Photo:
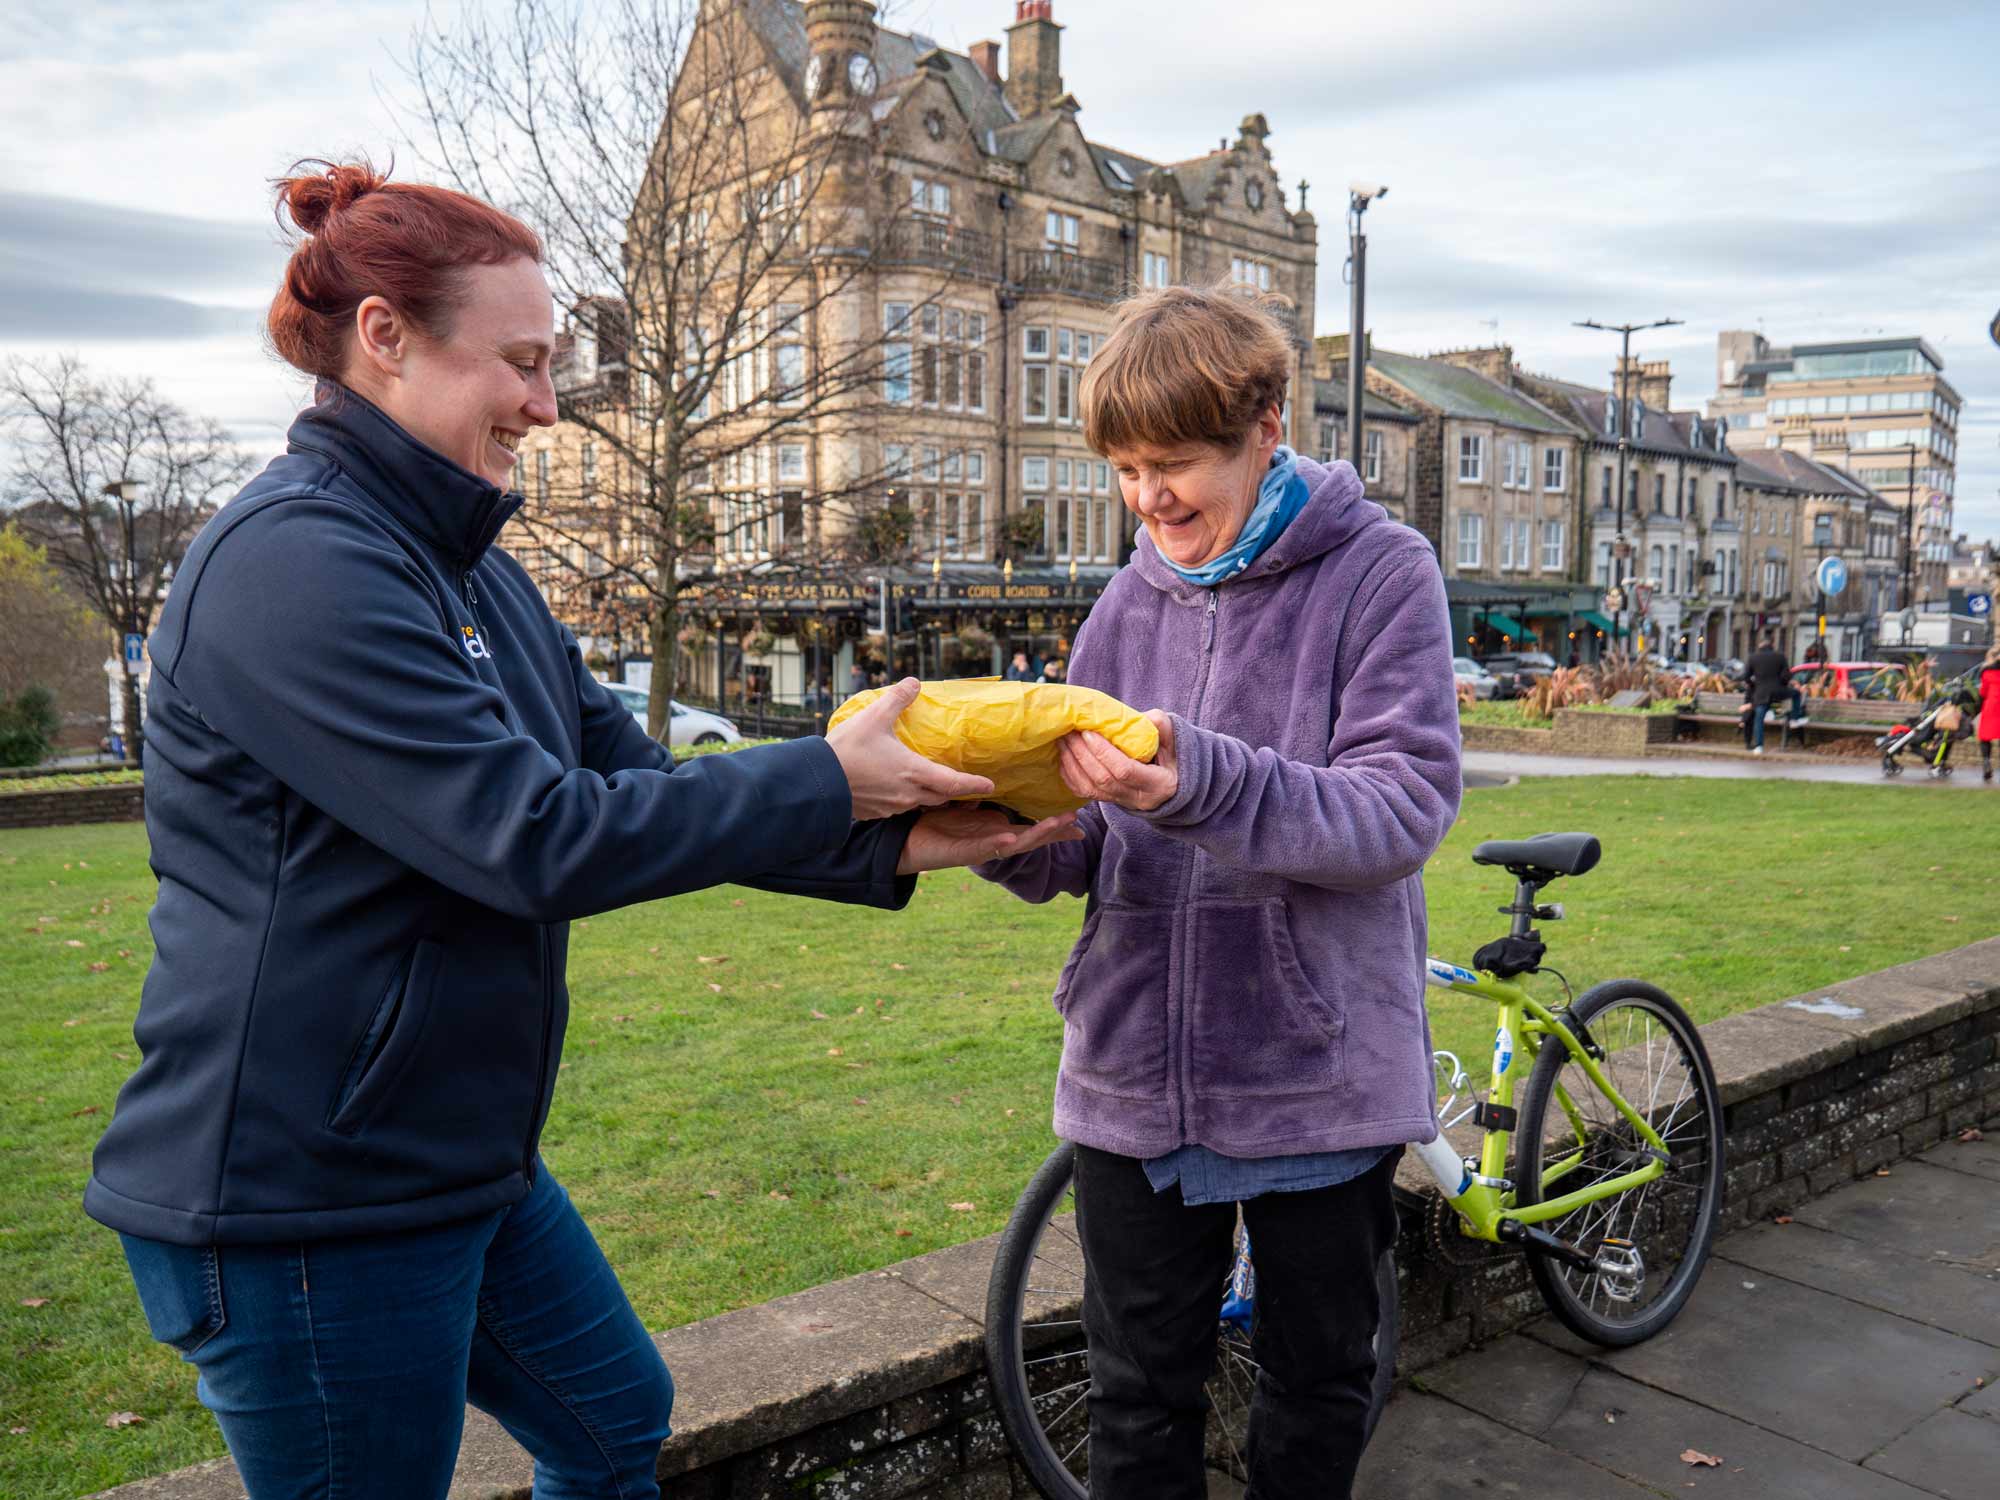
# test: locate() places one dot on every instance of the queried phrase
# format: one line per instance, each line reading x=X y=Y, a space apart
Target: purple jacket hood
x=1250 y=971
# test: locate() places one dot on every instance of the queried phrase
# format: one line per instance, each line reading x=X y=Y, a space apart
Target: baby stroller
x=1942 y=721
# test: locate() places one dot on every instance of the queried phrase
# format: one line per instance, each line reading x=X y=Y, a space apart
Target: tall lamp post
x=1359 y=196
x=1624 y=419
x=121 y=491
x=1909 y=598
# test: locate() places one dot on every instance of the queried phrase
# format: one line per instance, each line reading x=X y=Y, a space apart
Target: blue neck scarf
x=1281 y=496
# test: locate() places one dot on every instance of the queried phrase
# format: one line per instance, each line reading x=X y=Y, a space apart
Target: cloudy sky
x=1815 y=168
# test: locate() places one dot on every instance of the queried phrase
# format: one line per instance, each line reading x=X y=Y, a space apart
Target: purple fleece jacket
x=1250 y=973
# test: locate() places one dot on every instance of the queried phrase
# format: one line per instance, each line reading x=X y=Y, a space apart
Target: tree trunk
x=661 y=627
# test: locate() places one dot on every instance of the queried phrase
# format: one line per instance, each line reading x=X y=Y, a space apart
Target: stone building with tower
x=998 y=234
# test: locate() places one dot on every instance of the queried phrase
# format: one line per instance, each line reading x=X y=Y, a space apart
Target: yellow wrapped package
x=1008 y=732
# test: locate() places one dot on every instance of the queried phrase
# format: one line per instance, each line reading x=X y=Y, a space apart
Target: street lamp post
x=1359 y=196
x=121 y=492
x=1624 y=419
x=1909 y=528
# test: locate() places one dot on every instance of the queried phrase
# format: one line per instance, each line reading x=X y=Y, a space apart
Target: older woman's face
x=1193 y=498
x=474 y=394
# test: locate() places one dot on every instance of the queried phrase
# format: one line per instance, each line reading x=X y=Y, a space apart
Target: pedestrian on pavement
x=1768 y=679
x=1267 y=600
x=1052 y=669
x=1989 y=711
x=857 y=679
x=1018 y=669
x=386 y=784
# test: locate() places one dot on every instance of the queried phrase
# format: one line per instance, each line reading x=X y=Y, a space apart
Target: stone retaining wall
x=1506 y=737
x=872 y=1387
x=1621 y=735
x=83 y=804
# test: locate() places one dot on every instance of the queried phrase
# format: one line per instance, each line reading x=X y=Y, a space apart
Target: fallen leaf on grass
x=99 y=967
x=711 y=958
x=781 y=1197
x=72 y=943
x=124 y=952
x=902 y=1234
x=961 y=1208
x=34 y=1302
x=1696 y=1456
x=716 y=987
x=123 y=1419
x=736 y=903
x=1010 y=1114
x=74 y=1021
x=833 y=1052
x=17 y=1431
x=616 y=1019
x=88 y=1109
x=1951 y=919
x=820 y=1015
x=899 y=966
x=711 y=1192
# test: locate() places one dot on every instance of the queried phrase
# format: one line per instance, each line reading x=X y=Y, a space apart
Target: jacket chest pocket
x=1259 y=1027
x=393 y=1035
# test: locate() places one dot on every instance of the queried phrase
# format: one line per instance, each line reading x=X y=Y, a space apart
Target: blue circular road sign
x=1832 y=575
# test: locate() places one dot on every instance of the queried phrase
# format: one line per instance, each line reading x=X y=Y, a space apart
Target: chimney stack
x=987 y=56
x=1649 y=382
x=1034 y=58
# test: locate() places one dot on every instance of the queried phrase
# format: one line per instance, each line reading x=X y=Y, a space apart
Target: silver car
x=685 y=726
x=1470 y=673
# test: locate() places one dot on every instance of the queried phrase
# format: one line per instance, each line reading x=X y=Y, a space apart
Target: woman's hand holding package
x=884 y=777
x=1098 y=771
x=947 y=837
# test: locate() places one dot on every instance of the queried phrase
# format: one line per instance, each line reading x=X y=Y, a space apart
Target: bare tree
x=113 y=480
x=710 y=231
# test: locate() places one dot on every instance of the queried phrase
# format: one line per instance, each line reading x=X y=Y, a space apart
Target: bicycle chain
x=1455 y=1251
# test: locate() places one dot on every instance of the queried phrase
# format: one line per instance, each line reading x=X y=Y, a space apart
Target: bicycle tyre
x=1050 y=1439
x=1695 y=1179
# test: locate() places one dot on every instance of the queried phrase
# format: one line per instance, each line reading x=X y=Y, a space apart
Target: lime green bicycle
x=1608 y=1175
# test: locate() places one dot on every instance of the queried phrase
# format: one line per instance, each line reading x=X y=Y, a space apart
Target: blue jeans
x=341 y=1368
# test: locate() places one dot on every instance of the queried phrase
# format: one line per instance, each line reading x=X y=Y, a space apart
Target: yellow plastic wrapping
x=1008 y=732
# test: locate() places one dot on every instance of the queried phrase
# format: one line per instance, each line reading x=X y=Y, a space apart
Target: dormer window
x=1610 y=417
x=1721 y=433
x=1638 y=420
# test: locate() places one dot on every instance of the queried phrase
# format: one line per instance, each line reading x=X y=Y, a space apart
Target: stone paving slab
x=1938 y=1215
x=1804 y=1363
x=1944 y=1296
x=1949 y=1454
x=1984 y=1402
x=1430 y=1449
x=1981 y=1158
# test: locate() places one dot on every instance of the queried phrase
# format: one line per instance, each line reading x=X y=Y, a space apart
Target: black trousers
x=1152 y=1295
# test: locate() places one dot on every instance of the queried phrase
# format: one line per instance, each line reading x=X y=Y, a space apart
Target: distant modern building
x=1879 y=408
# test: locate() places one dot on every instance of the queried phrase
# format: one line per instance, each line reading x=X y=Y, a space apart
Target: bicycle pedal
x=1621 y=1270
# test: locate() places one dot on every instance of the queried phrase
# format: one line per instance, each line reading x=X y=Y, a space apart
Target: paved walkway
x=1728 y=766
x=1853 y=1354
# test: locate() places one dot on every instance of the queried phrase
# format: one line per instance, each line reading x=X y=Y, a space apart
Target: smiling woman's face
x=1193 y=498
x=474 y=394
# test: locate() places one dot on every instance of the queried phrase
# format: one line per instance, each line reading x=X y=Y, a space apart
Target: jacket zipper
x=1188 y=921
x=542 y=1060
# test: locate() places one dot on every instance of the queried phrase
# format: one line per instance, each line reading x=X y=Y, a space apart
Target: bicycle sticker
x=1503 y=1050
x=1444 y=975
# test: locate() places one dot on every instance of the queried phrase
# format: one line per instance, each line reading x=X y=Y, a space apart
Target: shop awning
x=1507 y=625
x=1596 y=621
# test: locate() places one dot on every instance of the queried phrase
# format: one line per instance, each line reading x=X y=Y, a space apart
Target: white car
x=1470 y=673
x=686 y=726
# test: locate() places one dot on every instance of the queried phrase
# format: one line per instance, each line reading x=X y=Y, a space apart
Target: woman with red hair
x=380 y=783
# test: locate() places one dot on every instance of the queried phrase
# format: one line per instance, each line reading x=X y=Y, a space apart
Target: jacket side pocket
x=387 y=1044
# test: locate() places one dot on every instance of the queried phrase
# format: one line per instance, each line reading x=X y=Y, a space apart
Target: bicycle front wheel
x=1039 y=1364
x=1651 y=1241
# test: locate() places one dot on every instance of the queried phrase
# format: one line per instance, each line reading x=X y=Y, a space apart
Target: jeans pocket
x=180 y=1289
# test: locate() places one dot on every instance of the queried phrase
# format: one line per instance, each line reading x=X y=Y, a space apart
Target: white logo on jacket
x=475 y=646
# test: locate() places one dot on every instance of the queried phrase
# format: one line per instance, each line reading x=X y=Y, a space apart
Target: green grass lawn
x=761 y=1094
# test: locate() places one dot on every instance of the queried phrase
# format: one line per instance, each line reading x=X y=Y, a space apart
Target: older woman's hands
x=946 y=837
x=1098 y=771
x=885 y=776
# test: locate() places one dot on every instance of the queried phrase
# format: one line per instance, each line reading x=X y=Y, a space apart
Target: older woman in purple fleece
x=1244 y=1009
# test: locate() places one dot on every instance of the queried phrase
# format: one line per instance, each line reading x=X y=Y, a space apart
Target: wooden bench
x=1828 y=715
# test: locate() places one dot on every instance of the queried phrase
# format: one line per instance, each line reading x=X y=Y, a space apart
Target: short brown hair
x=1186 y=364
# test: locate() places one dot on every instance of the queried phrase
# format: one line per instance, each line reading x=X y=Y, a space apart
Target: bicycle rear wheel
x=1655 y=1059
x=1039 y=1366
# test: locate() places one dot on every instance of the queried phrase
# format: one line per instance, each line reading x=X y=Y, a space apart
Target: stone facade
x=1002 y=236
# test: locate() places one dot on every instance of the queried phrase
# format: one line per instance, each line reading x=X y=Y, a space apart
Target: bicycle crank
x=1620 y=1269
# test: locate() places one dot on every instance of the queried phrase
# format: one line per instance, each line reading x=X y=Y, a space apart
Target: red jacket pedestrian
x=1989 y=712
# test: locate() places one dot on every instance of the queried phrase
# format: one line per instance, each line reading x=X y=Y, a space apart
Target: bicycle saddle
x=1551 y=854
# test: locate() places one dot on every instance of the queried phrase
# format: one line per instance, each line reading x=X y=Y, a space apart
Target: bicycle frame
x=1483 y=1197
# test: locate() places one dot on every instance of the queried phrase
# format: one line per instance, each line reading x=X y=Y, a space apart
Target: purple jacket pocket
x=1260 y=1027
x=1113 y=1000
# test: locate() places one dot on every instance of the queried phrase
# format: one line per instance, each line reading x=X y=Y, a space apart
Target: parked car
x=1516 y=672
x=685 y=726
x=1470 y=673
x=1877 y=680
